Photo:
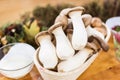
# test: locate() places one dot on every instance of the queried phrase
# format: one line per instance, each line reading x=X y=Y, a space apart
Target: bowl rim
x=10 y=44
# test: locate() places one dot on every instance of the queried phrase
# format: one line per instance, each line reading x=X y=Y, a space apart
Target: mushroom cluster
x=71 y=40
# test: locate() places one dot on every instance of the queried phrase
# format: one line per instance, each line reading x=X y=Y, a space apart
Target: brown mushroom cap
x=87 y=18
x=100 y=41
x=41 y=35
x=56 y=25
x=68 y=10
x=63 y=19
x=96 y=22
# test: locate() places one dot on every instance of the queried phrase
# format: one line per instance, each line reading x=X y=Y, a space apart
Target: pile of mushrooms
x=71 y=40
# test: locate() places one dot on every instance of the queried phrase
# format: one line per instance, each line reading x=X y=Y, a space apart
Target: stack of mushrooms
x=71 y=40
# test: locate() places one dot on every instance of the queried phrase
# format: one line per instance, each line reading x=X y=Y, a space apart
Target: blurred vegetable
x=31 y=28
x=116 y=28
x=46 y=15
x=12 y=33
x=109 y=8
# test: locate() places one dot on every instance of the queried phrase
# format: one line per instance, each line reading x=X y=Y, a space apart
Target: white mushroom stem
x=47 y=53
x=63 y=46
x=78 y=30
x=91 y=31
x=75 y=61
x=102 y=30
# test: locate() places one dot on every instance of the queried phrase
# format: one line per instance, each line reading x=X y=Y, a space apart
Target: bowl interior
x=28 y=58
x=4 y=50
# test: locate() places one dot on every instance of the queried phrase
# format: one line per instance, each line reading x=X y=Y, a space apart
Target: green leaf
x=10 y=39
x=117 y=28
x=43 y=28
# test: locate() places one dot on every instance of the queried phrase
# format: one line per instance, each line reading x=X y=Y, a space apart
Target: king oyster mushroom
x=91 y=31
x=63 y=46
x=47 y=53
x=78 y=27
x=74 y=62
x=93 y=42
x=101 y=27
x=98 y=25
x=96 y=36
x=89 y=44
x=69 y=30
x=96 y=22
x=87 y=21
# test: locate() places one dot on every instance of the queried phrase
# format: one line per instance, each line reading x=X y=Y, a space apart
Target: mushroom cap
x=68 y=10
x=41 y=35
x=96 y=22
x=63 y=19
x=100 y=41
x=56 y=25
x=87 y=18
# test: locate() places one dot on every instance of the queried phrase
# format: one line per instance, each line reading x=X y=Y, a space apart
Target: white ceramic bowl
x=71 y=75
x=112 y=22
x=22 y=70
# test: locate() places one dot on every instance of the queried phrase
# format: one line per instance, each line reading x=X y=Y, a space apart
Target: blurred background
x=19 y=19
x=12 y=9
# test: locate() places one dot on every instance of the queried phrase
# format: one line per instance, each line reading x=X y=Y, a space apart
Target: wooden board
x=112 y=73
